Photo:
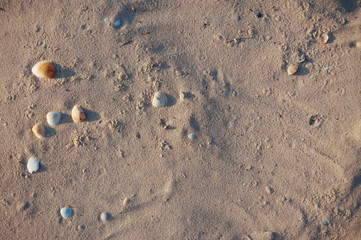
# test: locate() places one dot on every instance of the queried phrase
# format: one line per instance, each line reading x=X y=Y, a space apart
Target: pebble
x=117 y=23
x=324 y=222
x=66 y=212
x=192 y=136
x=104 y=216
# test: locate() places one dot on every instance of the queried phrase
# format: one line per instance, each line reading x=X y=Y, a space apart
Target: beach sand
x=276 y=156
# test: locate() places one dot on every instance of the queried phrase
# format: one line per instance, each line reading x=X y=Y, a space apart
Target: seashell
x=33 y=164
x=39 y=130
x=324 y=38
x=104 y=216
x=44 y=69
x=53 y=118
x=358 y=44
x=66 y=212
x=78 y=114
x=192 y=136
x=292 y=69
x=159 y=99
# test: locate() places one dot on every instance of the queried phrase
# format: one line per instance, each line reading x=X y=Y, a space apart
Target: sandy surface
x=275 y=155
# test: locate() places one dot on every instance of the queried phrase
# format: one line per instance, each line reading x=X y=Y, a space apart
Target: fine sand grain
x=241 y=149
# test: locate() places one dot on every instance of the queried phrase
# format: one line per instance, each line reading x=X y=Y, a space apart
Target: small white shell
x=159 y=99
x=324 y=38
x=66 y=212
x=358 y=44
x=53 y=118
x=33 y=164
x=104 y=216
x=192 y=136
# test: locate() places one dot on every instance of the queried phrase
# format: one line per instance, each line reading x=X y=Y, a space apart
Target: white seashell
x=39 y=130
x=66 y=212
x=53 y=118
x=159 y=99
x=292 y=69
x=324 y=38
x=181 y=95
x=44 y=69
x=358 y=44
x=104 y=216
x=192 y=136
x=33 y=164
x=78 y=114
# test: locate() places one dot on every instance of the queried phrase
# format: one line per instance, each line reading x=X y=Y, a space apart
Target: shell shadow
x=170 y=100
x=42 y=167
x=65 y=118
x=50 y=131
x=63 y=72
x=302 y=71
x=91 y=116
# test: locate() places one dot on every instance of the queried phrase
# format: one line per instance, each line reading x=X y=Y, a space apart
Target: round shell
x=39 y=130
x=33 y=164
x=324 y=38
x=66 y=212
x=53 y=118
x=78 y=114
x=159 y=99
x=192 y=136
x=44 y=69
x=358 y=44
x=104 y=216
x=292 y=69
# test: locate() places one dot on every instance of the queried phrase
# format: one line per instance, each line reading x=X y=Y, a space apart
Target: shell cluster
x=159 y=99
x=44 y=69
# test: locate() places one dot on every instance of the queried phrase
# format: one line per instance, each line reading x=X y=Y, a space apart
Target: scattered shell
x=39 y=130
x=33 y=164
x=126 y=201
x=104 y=216
x=324 y=38
x=78 y=114
x=159 y=99
x=358 y=44
x=44 y=69
x=66 y=212
x=192 y=136
x=269 y=190
x=292 y=69
x=181 y=95
x=53 y=118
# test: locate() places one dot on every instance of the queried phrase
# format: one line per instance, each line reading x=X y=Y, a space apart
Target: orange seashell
x=78 y=114
x=39 y=130
x=44 y=69
x=292 y=69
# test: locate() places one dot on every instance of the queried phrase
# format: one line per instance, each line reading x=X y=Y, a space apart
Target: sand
x=275 y=156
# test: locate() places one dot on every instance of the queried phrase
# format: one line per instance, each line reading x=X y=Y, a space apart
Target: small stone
x=66 y=212
x=192 y=136
x=117 y=23
x=248 y=168
x=104 y=216
x=269 y=190
x=81 y=227
x=324 y=222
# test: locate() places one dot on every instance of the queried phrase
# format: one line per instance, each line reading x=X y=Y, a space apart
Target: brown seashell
x=78 y=114
x=324 y=38
x=39 y=130
x=44 y=69
x=292 y=69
